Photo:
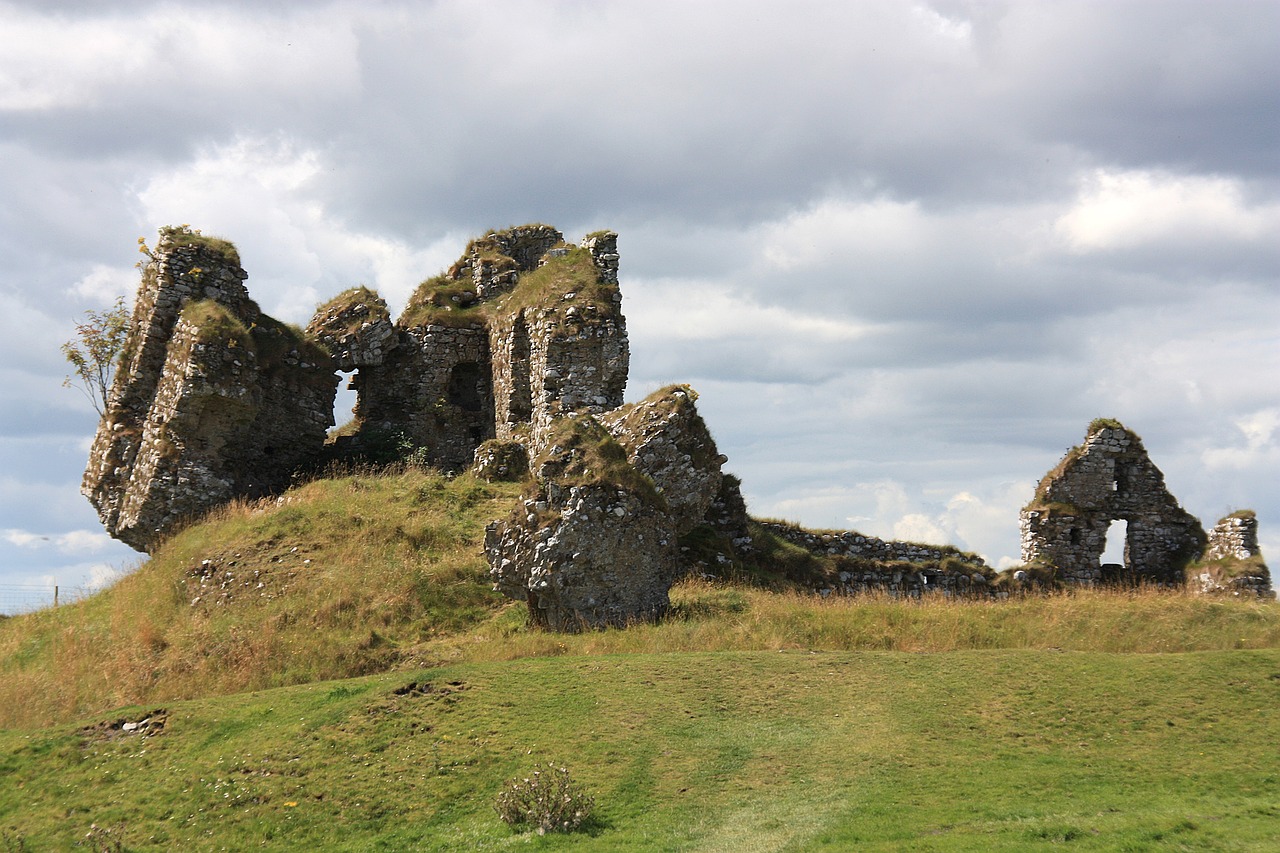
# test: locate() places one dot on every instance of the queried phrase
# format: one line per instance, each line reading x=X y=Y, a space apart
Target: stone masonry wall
x=213 y=400
x=866 y=563
x=1109 y=478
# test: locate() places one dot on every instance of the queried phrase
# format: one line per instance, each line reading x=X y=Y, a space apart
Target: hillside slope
x=336 y=578
x=372 y=572
x=732 y=751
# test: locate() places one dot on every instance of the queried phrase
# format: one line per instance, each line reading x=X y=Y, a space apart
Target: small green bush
x=547 y=798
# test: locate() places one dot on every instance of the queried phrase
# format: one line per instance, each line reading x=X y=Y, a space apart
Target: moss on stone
x=443 y=301
x=349 y=299
x=582 y=452
x=185 y=235
x=1099 y=424
x=214 y=323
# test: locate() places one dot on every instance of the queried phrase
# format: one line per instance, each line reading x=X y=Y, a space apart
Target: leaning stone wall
x=213 y=400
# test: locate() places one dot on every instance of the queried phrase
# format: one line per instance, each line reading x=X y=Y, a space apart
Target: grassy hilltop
x=332 y=671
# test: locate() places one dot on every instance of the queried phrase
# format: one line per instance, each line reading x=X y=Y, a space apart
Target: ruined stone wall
x=1108 y=478
x=475 y=357
x=213 y=400
x=866 y=563
x=433 y=390
x=1234 y=537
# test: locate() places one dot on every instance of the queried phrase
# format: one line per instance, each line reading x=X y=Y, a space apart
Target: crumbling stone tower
x=522 y=330
x=1106 y=479
x=213 y=398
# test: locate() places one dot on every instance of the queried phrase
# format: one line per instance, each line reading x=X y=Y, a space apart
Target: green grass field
x=378 y=696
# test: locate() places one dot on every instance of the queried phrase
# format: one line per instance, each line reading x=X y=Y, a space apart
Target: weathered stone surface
x=356 y=328
x=667 y=440
x=1232 y=561
x=522 y=330
x=213 y=399
x=866 y=563
x=1109 y=478
x=1234 y=537
x=506 y=461
x=593 y=544
x=598 y=540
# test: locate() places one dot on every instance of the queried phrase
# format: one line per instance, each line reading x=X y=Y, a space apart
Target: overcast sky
x=904 y=251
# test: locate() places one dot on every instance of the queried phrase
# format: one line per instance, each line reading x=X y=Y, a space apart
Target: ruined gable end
x=1106 y=479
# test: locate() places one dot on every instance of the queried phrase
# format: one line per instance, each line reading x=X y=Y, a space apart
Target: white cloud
x=1122 y=209
x=261 y=194
x=103 y=284
x=70 y=542
x=174 y=50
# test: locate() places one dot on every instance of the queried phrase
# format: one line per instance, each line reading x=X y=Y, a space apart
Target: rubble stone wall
x=1109 y=478
x=213 y=400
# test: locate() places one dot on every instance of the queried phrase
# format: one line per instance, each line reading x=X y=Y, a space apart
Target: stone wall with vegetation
x=513 y=362
x=1110 y=478
x=213 y=399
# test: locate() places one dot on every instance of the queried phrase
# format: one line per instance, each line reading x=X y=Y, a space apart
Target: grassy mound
x=340 y=577
x=368 y=573
x=751 y=718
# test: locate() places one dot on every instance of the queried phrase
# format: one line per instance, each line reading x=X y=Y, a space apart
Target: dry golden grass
x=366 y=573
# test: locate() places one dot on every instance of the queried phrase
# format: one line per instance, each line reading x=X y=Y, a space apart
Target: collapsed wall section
x=596 y=540
x=522 y=330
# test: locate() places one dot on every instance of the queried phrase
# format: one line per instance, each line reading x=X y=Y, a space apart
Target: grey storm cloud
x=905 y=251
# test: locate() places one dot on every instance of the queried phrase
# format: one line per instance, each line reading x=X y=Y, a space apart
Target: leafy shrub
x=547 y=798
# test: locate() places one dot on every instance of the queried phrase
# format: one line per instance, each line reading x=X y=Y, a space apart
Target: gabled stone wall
x=1106 y=479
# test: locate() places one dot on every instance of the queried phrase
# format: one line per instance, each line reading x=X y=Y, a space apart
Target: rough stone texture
x=213 y=400
x=1235 y=537
x=667 y=440
x=593 y=544
x=506 y=461
x=523 y=330
x=1232 y=562
x=603 y=556
x=598 y=540
x=865 y=563
x=727 y=516
x=1109 y=478
x=356 y=328
x=476 y=359
x=434 y=390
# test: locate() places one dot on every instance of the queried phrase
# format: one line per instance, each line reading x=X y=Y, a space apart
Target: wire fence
x=17 y=598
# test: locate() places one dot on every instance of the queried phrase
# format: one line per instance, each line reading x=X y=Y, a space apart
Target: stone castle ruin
x=514 y=360
x=1110 y=478
x=513 y=363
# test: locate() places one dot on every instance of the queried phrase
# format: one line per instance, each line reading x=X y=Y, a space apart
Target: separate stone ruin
x=1232 y=562
x=512 y=363
x=1110 y=478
